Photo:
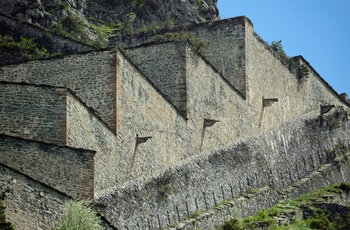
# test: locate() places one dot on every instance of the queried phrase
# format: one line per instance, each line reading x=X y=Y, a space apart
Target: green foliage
x=4 y=224
x=318 y=219
x=63 y=6
x=105 y=30
x=278 y=48
x=168 y=23
x=32 y=50
x=164 y=185
x=331 y=121
x=233 y=224
x=69 y=25
x=345 y=186
x=7 y=41
x=27 y=46
x=72 y=26
x=199 y=45
x=303 y=73
x=128 y=28
x=79 y=215
x=194 y=215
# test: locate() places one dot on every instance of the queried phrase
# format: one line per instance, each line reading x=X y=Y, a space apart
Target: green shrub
x=303 y=73
x=278 y=48
x=7 y=41
x=4 y=224
x=345 y=186
x=78 y=215
x=74 y=27
x=199 y=45
x=28 y=47
x=233 y=224
x=319 y=222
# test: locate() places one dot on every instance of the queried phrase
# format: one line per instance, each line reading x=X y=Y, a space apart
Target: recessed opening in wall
x=266 y=102
x=206 y=123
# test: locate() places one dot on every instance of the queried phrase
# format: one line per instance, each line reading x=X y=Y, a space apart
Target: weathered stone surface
x=154 y=166
x=52 y=165
x=55 y=115
x=145 y=13
x=231 y=172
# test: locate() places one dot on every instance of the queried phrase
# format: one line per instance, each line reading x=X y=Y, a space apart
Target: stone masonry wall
x=248 y=204
x=90 y=75
x=30 y=204
x=268 y=78
x=143 y=112
x=211 y=98
x=225 y=41
x=164 y=65
x=86 y=130
x=278 y=158
x=33 y=112
x=226 y=48
x=68 y=170
x=55 y=115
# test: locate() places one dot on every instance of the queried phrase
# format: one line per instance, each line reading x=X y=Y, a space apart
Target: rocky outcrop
x=140 y=13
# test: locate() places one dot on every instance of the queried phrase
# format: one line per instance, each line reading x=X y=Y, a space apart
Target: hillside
x=92 y=21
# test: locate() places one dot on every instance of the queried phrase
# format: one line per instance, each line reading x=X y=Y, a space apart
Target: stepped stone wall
x=30 y=204
x=52 y=165
x=155 y=155
x=111 y=81
x=143 y=111
x=86 y=130
x=165 y=66
x=278 y=158
x=225 y=41
x=61 y=118
x=90 y=75
x=32 y=112
x=267 y=77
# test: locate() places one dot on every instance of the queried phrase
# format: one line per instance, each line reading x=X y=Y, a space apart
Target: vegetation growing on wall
x=278 y=48
x=4 y=224
x=309 y=211
x=27 y=46
x=303 y=73
x=199 y=45
x=164 y=186
x=329 y=122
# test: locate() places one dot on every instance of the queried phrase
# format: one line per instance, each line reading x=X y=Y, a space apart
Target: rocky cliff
x=99 y=18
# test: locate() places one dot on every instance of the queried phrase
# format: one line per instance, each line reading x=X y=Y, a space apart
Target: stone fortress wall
x=134 y=126
x=281 y=158
x=41 y=111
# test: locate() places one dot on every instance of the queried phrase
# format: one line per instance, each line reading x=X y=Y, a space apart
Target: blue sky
x=319 y=30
